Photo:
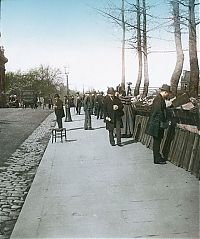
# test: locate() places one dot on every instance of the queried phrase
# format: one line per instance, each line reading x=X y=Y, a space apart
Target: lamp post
x=68 y=117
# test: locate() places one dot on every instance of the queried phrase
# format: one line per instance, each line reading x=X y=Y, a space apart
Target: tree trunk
x=146 y=73
x=179 y=50
x=194 y=66
x=123 y=48
x=139 y=52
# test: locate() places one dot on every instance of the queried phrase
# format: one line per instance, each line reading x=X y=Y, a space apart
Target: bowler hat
x=165 y=87
x=56 y=95
x=110 y=90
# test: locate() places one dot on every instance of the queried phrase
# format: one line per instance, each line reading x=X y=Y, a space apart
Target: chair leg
x=65 y=135
x=61 y=134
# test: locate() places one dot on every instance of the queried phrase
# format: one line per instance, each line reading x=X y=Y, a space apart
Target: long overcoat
x=157 y=115
x=87 y=103
x=59 y=111
x=113 y=114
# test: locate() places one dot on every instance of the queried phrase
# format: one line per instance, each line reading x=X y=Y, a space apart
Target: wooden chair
x=59 y=133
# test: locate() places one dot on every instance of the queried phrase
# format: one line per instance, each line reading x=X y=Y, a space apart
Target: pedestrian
x=113 y=110
x=78 y=103
x=157 y=122
x=59 y=111
x=50 y=102
x=42 y=102
x=92 y=100
x=87 y=106
x=99 y=100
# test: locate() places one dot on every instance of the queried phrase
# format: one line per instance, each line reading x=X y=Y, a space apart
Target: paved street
x=15 y=126
x=20 y=153
x=86 y=188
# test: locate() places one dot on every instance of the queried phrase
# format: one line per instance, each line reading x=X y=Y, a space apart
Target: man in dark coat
x=78 y=103
x=113 y=110
x=87 y=106
x=99 y=100
x=59 y=111
x=50 y=102
x=156 y=122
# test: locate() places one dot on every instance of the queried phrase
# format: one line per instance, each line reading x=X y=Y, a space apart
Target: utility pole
x=68 y=117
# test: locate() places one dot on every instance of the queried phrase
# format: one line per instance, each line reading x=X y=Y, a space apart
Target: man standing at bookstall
x=157 y=122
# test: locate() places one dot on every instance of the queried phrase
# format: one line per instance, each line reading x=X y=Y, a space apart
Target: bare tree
x=117 y=15
x=145 y=53
x=139 y=50
x=179 y=50
x=194 y=65
x=123 y=46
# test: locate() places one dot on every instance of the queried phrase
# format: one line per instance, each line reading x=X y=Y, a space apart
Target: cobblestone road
x=22 y=144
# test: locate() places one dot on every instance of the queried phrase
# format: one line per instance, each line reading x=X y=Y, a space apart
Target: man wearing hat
x=157 y=122
x=87 y=106
x=59 y=111
x=113 y=110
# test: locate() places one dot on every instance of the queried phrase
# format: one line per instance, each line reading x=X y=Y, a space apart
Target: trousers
x=118 y=133
x=87 y=123
x=59 y=121
x=156 y=146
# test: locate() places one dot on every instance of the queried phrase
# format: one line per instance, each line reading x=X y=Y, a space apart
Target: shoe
x=112 y=144
x=160 y=162
x=119 y=144
x=85 y=128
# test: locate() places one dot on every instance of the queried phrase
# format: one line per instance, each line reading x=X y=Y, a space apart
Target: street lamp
x=68 y=117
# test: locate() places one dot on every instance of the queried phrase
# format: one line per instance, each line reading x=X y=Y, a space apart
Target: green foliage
x=43 y=80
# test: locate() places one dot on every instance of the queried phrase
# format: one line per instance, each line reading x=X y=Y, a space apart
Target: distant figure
x=113 y=110
x=50 y=102
x=35 y=100
x=78 y=103
x=87 y=106
x=99 y=100
x=157 y=122
x=59 y=111
x=42 y=102
x=129 y=89
x=92 y=100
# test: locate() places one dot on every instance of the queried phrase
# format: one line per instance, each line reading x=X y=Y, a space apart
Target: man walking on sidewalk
x=157 y=122
x=113 y=110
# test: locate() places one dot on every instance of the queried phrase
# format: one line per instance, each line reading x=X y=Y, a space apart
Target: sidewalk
x=85 y=188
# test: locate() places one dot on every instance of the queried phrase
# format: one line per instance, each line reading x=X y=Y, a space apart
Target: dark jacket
x=157 y=115
x=112 y=114
x=99 y=100
x=59 y=111
x=87 y=103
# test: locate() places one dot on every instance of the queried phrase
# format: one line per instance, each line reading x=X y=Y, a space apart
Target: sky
x=72 y=34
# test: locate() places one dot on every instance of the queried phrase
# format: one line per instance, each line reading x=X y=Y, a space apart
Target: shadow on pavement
x=75 y=128
x=70 y=140
x=79 y=120
x=101 y=127
x=132 y=141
